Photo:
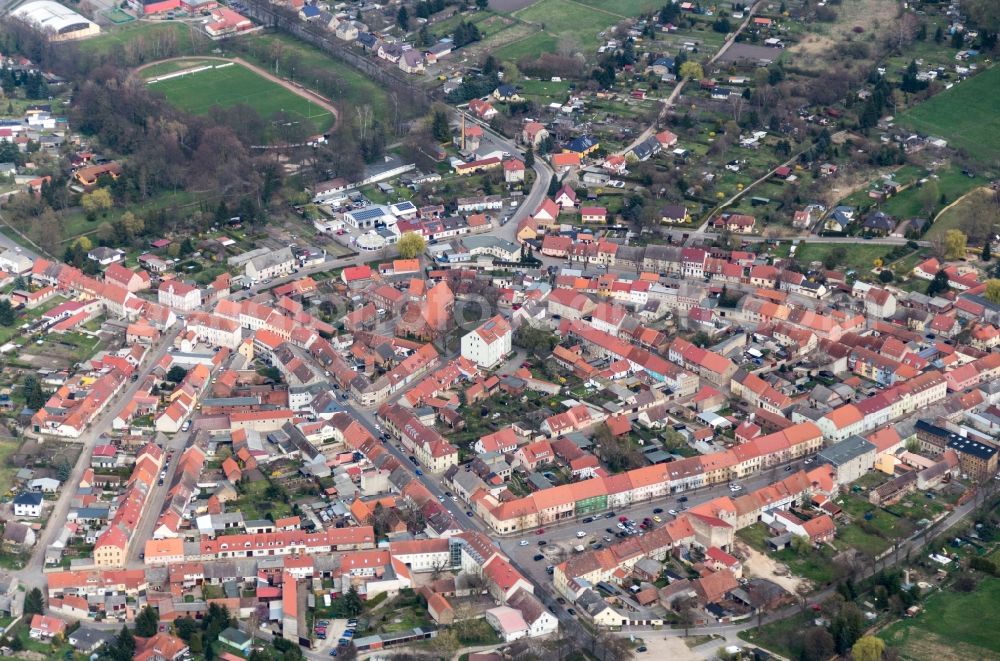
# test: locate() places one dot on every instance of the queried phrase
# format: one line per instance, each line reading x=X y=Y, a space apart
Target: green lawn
x=73 y=222
x=540 y=42
x=951 y=626
x=150 y=32
x=965 y=116
x=951 y=183
x=782 y=637
x=8 y=447
x=859 y=257
x=353 y=87
x=161 y=68
x=228 y=85
x=625 y=8
x=567 y=18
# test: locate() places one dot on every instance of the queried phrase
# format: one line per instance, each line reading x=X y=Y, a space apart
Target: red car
x=623 y=519
x=540 y=531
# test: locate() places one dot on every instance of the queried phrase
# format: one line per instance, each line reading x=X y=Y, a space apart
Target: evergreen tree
x=529 y=157
x=938 y=35
x=146 y=622
x=403 y=18
x=34 y=604
x=124 y=645
x=7 y=314
x=939 y=284
x=987 y=251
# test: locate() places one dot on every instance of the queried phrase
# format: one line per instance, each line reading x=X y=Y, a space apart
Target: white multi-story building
x=179 y=295
x=487 y=345
x=270 y=265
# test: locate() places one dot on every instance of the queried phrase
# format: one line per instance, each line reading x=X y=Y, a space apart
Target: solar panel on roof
x=367 y=214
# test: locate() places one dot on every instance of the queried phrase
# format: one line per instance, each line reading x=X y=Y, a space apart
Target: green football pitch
x=231 y=85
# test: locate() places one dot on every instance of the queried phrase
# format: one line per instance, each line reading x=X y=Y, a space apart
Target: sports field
x=965 y=116
x=230 y=85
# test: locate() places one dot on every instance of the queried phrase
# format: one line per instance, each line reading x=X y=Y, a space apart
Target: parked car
x=538 y=556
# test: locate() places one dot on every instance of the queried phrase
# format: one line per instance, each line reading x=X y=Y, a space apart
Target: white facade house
x=179 y=295
x=270 y=265
x=489 y=344
x=28 y=505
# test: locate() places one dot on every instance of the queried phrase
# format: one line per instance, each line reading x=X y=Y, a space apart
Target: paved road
x=156 y=499
x=670 y=100
x=31 y=575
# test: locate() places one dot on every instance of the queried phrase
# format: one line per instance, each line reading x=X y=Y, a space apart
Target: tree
x=132 y=225
x=411 y=245
x=692 y=71
x=938 y=35
x=987 y=253
x=529 y=157
x=440 y=128
x=801 y=544
x=954 y=244
x=185 y=627
x=939 y=284
x=196 y=642
x=482 y=4
x=7 y=314
x=34 y=603
x=868 y=648
x=176 y=374
x=817 y=645
x=352 y=602
x=34 y=396
x=96 y=201
x=886 y=276
x=930 y=195
x=992 y=291
x=125 y=644
x=403 y=18
x=146 y=622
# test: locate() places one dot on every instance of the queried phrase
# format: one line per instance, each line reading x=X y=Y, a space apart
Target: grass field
x=950 y=627
x=355 y=88
x=965 y=116
x=227 y=86
x=566 y=18
x=8 y=447
x=953 y=218
x=540 y=42
x=951 y=183
x=149 y=32
x=860 y=257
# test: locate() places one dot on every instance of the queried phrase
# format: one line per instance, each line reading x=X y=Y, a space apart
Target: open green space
x=624 y=8
x=954 y=217
x=8 y=448
x=162 y=68
x=566 y=18
x=782 y=636
x=150 y=32
x=73 y=222
x=859 y=256
x=354 y=87
x=965 y=116
x=951 y=626
x=225 y=86
x=539 y=42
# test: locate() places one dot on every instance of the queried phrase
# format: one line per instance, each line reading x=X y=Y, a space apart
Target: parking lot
x=334 y=631
x=562 y=538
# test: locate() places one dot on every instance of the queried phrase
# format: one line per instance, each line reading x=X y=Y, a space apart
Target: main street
x=32 y=573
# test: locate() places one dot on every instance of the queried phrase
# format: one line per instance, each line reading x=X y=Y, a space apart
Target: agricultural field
x=948 y=628
x=226 y=86
x=964 y=115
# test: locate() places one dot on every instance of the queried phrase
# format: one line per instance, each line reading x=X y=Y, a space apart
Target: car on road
x=621 y=526
x=571 y=611
x=540 y=531
x=608 y=538
x=609 y=515
x=682 y=499
x=550 y=569
x=523 y=542
x=538 y=556
x=610 y=531
x=588 y=519
x=580 y=534
x=186 y=425
x=419 y=472
x=641 y=648
x=469 y=513
x=657 y=519
x=735 y=487
x=672 y=512
x=658 y=510
x=560 y=600
x=788 y=468
x=623 y=519
x=542 y=542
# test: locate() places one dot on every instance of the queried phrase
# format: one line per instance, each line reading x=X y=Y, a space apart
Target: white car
x=735 y=487
x=523 y=542
x=672 y=512
x=580 y=534
x=621 y=526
